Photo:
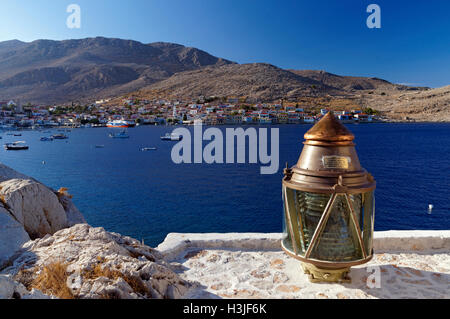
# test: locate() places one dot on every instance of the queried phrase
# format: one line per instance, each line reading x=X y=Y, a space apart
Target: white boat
x=346 y=119
x=16 y=146
x=309 y=119
x=146 y=149
x=131 y=123
x=60 y=137
x=171 y=137
x=118 y=123
x=122 y=134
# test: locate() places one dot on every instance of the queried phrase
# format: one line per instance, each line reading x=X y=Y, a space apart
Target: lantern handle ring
x=287 y=172
x=340 y=188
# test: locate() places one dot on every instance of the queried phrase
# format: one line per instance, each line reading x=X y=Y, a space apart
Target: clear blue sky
x=412 y=46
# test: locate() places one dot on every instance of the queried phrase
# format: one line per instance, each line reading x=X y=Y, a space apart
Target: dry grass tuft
x=53 y=280
x=137 y=285
x=63 y=191
x=99 y=271
x=3 y=200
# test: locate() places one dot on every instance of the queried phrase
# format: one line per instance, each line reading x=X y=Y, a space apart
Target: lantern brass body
x=329 y=204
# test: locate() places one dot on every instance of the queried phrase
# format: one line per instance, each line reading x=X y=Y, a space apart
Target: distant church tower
x=19 y=107
x=174 y=114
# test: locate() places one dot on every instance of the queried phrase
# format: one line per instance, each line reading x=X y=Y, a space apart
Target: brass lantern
x=329 y=204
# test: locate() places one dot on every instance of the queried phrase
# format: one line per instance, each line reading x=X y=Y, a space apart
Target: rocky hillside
x=427 y=105
x=46 y=71
x=348 y=83
x=48 y=251
x=264 y=82
x=62 y=71
x=257 y=81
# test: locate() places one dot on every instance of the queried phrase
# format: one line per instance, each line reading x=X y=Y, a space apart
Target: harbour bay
x=145 y=195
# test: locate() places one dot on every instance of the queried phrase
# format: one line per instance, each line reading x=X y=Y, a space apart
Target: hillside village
x=210 y=111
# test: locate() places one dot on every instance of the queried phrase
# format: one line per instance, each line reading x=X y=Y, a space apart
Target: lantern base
x=316 y=274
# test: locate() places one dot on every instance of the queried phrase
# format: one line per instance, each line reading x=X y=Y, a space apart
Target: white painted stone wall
x=406 y=264
x=417 y=240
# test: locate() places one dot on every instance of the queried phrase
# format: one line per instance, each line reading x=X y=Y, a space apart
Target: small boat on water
x=60 y=137
x=46 y=139
x=99 y=146
x=17 y=134
x=16 y=146
x=146 y=149
x=171 y=137
x=122 y=134
x=118 y=123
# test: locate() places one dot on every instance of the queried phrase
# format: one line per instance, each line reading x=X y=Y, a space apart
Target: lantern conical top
x=329 y=131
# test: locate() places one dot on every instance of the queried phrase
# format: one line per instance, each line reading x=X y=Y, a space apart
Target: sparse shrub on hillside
x=52 y=280
x=63 y=191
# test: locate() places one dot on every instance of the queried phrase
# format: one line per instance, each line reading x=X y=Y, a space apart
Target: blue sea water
x=146 y=196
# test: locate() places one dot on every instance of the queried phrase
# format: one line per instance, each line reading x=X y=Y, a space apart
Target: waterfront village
x=166 y=112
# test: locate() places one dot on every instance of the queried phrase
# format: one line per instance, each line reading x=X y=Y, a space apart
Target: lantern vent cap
x=329 y=131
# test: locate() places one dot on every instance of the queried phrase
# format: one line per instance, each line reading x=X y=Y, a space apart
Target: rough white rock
x=12 y=236
x=7 y=173
x=33 y=205
x=6 y=287
x=30 y=209
x=35 y=294
x=11 y=289
x=73 y=215
x=101 y=264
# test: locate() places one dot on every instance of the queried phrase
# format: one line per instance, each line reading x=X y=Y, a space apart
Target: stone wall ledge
x=406 y=264
x=406 y=241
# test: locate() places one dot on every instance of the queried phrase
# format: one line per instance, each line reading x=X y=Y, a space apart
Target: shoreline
x=18 y=128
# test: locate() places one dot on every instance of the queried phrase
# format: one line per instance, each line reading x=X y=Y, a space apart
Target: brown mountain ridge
x=83 y=70
x=45 y=71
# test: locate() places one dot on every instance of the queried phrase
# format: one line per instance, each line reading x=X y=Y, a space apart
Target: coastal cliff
x=47 y=250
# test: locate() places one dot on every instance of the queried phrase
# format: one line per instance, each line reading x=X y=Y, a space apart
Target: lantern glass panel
x=302 y=213
x=338 y=240
x=368 y=208
x=365 y=203
x=287 y=239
